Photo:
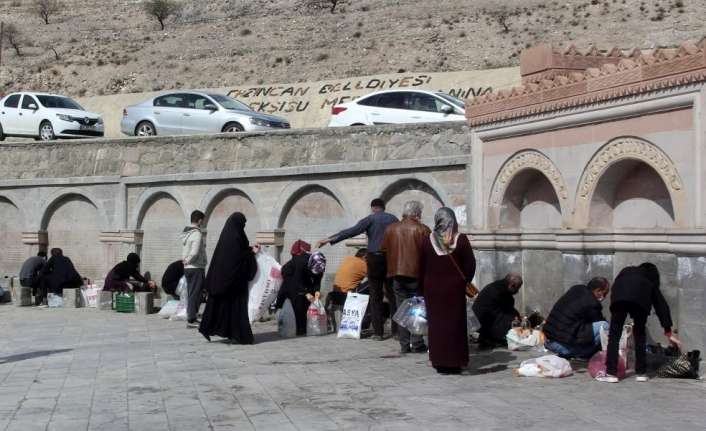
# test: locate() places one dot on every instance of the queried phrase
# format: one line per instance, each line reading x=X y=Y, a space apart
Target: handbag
x=471 y=289
x=685 y=366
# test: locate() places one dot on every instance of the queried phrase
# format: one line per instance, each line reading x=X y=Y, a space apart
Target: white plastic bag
x=352 y=315
x=182 y=287
x=55 y=301
x=518 y=339
x=545 y=366
x=169 y=309
x=286 y=321
x=264 y=287
x=90 y=296
x=471 y=318
x=316 y=319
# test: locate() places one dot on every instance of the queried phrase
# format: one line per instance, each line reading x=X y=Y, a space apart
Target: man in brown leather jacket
x=402 y=243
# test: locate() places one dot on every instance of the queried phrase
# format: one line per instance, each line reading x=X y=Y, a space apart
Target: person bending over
x=495 y=309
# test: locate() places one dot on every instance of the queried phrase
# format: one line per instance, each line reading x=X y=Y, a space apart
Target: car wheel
x=2 y=135
x=145 y=128
x=232 y=128
x=357 y=124
x=46 y=131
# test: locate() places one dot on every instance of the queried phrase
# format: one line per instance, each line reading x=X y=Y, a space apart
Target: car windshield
x=58 y=102
x=453 y=100
x=229 y=102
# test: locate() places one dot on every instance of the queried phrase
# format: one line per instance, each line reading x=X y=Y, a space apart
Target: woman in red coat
x=447 y=264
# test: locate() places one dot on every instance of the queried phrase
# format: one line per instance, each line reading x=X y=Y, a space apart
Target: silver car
x=193 y=112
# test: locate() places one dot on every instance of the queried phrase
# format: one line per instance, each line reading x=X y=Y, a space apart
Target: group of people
x=44 y=276
x=403 y=258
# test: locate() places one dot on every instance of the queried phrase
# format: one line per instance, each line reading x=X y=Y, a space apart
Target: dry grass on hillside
x=109 y=46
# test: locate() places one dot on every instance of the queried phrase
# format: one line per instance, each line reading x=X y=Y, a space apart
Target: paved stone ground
x=83 y=369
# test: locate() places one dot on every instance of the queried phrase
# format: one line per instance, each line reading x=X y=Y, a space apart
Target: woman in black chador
x=232 y=267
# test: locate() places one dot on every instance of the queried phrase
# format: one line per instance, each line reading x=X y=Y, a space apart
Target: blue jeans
x=579 y=351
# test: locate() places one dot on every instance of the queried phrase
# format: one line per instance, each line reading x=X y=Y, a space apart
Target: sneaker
x=642 y=378
x=405 y=349
x=376 y=338
x=193 y=324
x=606 y=378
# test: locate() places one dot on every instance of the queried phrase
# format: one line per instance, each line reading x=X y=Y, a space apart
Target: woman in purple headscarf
x=447 y=264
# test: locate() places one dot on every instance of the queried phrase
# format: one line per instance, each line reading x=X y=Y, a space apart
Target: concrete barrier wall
x=308 y=104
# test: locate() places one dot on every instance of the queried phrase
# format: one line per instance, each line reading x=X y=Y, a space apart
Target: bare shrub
x=161 y=10
x=46 y=8
x=13 y=37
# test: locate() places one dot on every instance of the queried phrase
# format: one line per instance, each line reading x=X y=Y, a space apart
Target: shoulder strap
x=458 y=268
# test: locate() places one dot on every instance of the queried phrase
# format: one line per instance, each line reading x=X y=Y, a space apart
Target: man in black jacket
x=59 y=273
x=573 y=326
x=635 y=292
x=495 y=309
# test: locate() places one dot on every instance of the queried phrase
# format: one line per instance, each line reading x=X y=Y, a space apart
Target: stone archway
x=12 y=251
x=529 y=191
x=312 y=213
x=407 y=189
x=626 y=177
x=73 y=223
x=161 y=221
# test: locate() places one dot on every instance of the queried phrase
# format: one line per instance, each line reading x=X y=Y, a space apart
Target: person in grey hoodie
x=194 y=258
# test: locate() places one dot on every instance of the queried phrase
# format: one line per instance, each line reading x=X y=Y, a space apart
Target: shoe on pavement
x=606 y=378
x=642 y=378
x=376 y=338
x=405 y=349
x=420 y=349
x=193 y=324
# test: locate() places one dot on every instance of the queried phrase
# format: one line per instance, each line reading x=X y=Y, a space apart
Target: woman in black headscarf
x=447 y=264
x=118 y=278
x=232 y=267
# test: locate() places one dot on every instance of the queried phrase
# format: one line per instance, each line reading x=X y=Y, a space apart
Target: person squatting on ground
x=495 y=309
x=572 y=328
x=171 y=277
x=59 y=273
x=118 y=278
x=402 y=243
x=349 y=278
x=373 y=226
x=30 y=276
x=447 y=265
x=193 y=255
x=635 y=292
x=299 y=283
x=233 y=265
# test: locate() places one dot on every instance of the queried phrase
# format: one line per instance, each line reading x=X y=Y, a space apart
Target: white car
x=194 y=112
x=398 y=107
x=46 y=117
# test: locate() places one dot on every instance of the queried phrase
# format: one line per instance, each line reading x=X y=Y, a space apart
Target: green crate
x=125 y=303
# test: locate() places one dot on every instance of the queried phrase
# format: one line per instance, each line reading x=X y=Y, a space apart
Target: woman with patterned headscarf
x=299 y=283
x=447 y=264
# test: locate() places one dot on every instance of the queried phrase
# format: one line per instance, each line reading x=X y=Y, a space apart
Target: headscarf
x=445 y=230
x=300 y=247
x=232 y=253
x=317 y=263
x=133 y=259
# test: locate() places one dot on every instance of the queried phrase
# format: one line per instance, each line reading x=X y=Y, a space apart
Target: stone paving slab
x=84 y=369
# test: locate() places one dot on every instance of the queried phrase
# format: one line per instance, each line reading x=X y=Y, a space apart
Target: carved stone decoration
x=628 y=148
x=528 y=159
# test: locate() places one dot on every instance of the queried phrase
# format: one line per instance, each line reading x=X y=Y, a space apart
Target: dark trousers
x=379 y=286
x=301 y=306
x=194 y=285
x=405 y=288
x=619 y=312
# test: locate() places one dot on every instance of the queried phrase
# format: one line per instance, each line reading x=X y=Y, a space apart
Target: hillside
x=111 y=46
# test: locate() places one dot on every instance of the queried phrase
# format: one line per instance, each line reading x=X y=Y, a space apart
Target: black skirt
x=227 y=316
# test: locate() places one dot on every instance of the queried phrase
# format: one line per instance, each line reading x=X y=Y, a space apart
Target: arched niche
x=162 y=223
x=631 y=194
x=73 y=223
x=412 y=189
x=221 y=207
x=313 y=213
x=12 y=250
x=530 y=202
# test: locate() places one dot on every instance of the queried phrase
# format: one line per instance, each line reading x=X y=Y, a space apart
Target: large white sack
x=265 y=286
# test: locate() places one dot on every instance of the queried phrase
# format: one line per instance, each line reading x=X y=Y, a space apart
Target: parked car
x=398 y=107
x=46 y=117
x=191 y=112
